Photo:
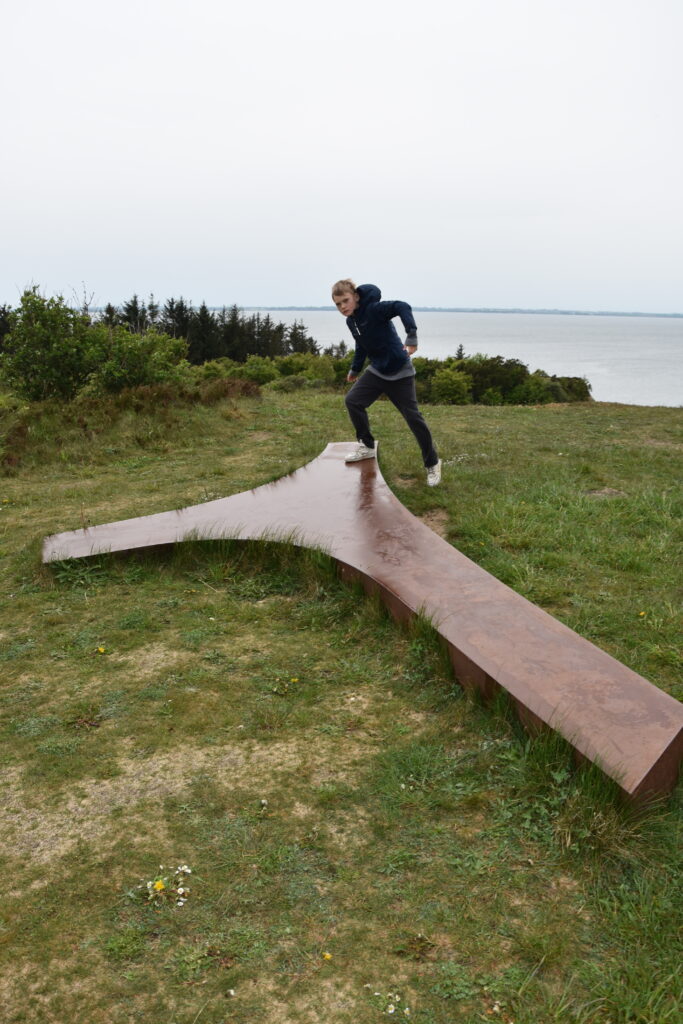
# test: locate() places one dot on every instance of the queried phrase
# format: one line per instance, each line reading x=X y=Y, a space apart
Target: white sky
x=455 y=152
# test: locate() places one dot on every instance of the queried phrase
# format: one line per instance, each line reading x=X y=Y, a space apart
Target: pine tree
x=152 y=310
x=111 y=316
x=298 y=339
x=203 y=336
x=134 y=315
x=175 y=318
x=233 y=334
x=337 y=351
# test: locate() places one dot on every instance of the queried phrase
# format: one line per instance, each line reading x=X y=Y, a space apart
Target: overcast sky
x=455 y=152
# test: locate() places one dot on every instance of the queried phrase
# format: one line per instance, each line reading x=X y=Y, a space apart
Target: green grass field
x=364 y=841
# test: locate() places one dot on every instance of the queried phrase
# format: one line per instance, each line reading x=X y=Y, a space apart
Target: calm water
x=634 y=360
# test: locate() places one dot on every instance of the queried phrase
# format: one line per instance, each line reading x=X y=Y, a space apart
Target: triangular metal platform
x=495 y=637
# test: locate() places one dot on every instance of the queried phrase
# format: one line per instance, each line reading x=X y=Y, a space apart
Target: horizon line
x=477 y=309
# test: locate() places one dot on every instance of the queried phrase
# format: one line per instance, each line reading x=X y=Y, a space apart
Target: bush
x=50 y=350
x=259 y=369
x=134 y=360
x=426 y=368
x=293 y=365
x=492 y=374
x=492 y=396
x=295 y=382
x=451 y=387
x=215 y=369
x=537 y=389
x=321 y=370
x=577 y=389
x=307 y=364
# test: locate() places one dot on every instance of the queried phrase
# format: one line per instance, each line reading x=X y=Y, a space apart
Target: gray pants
x=368 y=389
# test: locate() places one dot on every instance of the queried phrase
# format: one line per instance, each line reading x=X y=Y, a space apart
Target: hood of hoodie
x=368 y=293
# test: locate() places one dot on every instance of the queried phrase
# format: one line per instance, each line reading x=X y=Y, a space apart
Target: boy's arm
x=394 y=308
x=359 y=357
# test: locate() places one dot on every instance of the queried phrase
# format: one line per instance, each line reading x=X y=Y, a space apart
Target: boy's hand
x=411 y=349
x=350 y=377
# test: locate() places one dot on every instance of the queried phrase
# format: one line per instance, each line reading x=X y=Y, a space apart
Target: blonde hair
x=343 y=286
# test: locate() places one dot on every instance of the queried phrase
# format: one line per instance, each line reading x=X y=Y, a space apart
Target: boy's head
x=345 y=296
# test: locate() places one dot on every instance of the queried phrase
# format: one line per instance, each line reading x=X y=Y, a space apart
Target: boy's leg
x=402 y=393
x=364 y=392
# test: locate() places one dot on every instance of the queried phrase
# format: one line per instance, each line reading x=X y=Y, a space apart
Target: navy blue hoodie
x=375 y=336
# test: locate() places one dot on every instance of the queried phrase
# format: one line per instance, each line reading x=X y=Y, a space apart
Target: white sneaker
x=434 y=474
x=361 y=452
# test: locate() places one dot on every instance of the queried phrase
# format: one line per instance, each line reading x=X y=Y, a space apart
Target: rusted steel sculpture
x=495 y=637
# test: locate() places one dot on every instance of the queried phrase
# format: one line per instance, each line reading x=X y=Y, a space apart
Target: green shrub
x=295 y=364
x=342 y=365
x=426 y=368
x=215 y=369
x=577 y=389
x=134 y=360
x=50 y=350
x=492 y=396
x=492 y=372
x=259 y=369
x=451 y=387
x=537 y=389
x=321 y=368
x=295 y=382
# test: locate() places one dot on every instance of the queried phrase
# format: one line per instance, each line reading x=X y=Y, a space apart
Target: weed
x=129 y=943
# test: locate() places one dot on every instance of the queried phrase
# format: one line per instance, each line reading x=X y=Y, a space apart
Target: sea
x=634 y=360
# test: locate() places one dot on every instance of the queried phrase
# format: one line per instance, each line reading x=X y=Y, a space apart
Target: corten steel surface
x=608 y=713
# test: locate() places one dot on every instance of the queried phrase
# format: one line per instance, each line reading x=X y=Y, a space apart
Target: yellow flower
x=642 y=614
x=159 y=885
x=294 y=679
x=327 y=956
x=100 y=650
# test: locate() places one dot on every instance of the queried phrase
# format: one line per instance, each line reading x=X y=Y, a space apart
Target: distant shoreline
x=472 y=309
x=445 y=309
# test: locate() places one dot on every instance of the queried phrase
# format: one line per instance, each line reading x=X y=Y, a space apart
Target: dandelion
x=294 y=679
x=642 y=614
x=101 y=650
x=327 y=956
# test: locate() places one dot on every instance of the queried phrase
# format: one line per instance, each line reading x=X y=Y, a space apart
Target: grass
x=361 y=835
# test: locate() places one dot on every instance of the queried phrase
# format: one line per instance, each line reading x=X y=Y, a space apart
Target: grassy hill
x=361 y=836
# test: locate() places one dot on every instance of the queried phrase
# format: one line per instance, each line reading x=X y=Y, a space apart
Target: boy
x=390 y=373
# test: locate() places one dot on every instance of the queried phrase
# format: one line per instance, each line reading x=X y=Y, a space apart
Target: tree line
x=49 y=349
x=224 y=334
